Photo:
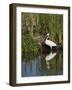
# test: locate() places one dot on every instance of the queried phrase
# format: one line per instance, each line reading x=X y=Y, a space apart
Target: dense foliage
x=29 y=47
x=34 y=25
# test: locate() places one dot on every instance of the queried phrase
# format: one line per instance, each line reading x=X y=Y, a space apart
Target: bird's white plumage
x=50 y=43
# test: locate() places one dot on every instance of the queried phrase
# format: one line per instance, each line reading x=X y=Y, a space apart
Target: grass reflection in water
x=42 y=64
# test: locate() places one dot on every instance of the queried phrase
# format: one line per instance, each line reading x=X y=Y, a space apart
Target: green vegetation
x=36 y=26
x=29 y=47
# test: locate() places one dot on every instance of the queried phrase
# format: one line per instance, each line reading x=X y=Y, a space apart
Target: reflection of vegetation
x=36 y=26
x=52 y=67
x=29 y=56
x=57 y=65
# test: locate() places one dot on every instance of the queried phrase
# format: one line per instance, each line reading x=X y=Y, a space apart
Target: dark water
x=43 y=65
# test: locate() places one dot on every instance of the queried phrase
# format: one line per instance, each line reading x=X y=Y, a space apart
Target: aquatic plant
x=29 y=46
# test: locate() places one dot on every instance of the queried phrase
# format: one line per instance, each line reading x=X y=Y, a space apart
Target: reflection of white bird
x=50 y=56
x=48 y=65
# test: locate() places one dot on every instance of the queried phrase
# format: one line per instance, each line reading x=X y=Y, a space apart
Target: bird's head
x=47 y=35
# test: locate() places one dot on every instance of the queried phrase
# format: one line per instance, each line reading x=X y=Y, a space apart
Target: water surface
x=43 y=65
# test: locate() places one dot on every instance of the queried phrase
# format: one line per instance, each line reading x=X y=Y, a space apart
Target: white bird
x=49 y=42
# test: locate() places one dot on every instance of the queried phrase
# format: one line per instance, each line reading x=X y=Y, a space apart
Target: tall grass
x=29 y=47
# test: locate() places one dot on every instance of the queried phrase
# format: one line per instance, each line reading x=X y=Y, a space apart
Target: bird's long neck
x=44 y=39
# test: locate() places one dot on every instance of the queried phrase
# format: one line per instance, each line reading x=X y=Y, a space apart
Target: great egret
x=49 y=42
